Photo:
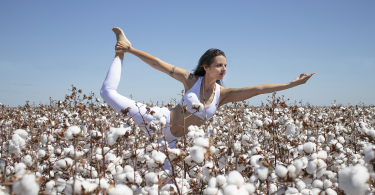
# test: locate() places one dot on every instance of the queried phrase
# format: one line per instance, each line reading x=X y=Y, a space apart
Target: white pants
x=138 y=110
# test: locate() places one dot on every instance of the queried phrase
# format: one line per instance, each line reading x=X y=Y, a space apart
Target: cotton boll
x=158 y=156
x=242 y=191
x=230 y=190
x=306 y=192
x=22 y=133
x=312 y=167
x=316 y=191
x=370 y=132
x=298 y=164
x=300 y=185
x=43 y=139
x=262 y=173
x=157 y=115
x=321 y=139
x=235 y=178
x=292 y=171
x=128 y=169
x=254 y=161
x=327 y=184
x=27 y=160
x=20 y=169
x=27 y=185
x=51 y=138
x=197 y=153
x=281 y=171
x=291 y=191
x=151 y=178
x=69 y=135
x=341 y=140
x=212 y=182
x=322 y=154
x=329 y=191
x=258 y=123
x=300 y=148
x=353 y=180
x=317 y=184
x=221 y=180
x=309 y=147
x=212 y=149
x=273 y=189
x=202 y=142
x=74 y=129
x=290 y=129
x=41 y=153
x=369 y=153
x=50 y=187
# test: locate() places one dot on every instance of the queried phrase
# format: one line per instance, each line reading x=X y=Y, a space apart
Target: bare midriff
x=177 y=121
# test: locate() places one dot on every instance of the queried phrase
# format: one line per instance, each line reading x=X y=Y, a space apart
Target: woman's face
x=218 y=68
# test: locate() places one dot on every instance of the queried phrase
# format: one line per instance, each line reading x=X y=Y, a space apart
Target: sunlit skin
x=214 y=71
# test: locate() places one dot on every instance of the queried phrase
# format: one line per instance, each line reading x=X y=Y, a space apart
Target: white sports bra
x=192 y=96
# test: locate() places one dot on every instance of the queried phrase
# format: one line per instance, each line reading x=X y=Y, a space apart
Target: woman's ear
x=205 y=67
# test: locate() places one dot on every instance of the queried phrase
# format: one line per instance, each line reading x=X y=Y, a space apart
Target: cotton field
x=82 y=146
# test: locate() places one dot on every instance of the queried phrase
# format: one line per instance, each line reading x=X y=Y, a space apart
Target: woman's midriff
x=177 y=121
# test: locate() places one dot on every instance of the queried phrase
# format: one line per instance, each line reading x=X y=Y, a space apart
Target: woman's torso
x=177 y=117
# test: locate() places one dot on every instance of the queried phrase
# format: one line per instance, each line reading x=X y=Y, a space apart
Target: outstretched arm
x=177 y=73
x=241 y=94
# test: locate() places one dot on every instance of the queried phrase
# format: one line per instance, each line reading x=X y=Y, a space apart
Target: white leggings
x=138 y=110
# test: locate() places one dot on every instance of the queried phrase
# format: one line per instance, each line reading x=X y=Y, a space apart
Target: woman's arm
x=177 y=73
x=241 y=94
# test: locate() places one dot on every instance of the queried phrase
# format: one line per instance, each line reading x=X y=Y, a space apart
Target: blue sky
x=46 y=46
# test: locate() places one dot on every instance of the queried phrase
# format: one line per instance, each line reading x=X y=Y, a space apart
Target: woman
x=201 y=87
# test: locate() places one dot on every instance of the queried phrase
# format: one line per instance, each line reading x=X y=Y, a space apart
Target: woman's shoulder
x=192 y=79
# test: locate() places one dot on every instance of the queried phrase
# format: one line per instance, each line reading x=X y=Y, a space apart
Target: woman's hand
x=122 y=47
x=301 y=79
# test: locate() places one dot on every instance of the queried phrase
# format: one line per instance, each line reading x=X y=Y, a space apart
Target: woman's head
x=206 y=60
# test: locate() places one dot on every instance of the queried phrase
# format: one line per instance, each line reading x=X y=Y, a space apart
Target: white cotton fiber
x=221 y=180
x=235 y=178
x=369 y=152
x=50 y=187
x=292 y=171
x=22 y=133
x=298 y=164
x=157 y=115
x=202 y=142
x=197 y=153
x=309 y=147
x=291 y=191
x=20 y=169
x=26 y=186
x=27 y=160
x=290 y=129
x=158 y=156
x=300 y=185
x=212 y=182
x=230 y=190
x=281 y=171
x=258 y=123
x=353 y=180
x=327 y=184
x=262 y=173
x=322 y=154
x=317 y=184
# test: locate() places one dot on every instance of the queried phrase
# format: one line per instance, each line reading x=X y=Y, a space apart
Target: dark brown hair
x=207 y=59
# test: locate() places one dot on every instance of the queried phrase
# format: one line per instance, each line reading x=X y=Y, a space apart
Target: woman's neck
x=209 y=84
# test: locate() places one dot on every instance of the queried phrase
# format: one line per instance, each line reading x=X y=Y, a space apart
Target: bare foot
x=121 y=36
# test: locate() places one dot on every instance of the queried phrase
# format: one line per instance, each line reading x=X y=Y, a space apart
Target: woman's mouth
x=222 y=74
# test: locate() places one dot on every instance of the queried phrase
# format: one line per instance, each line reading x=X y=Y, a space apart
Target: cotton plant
x=26 y=185
x=295 y=150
